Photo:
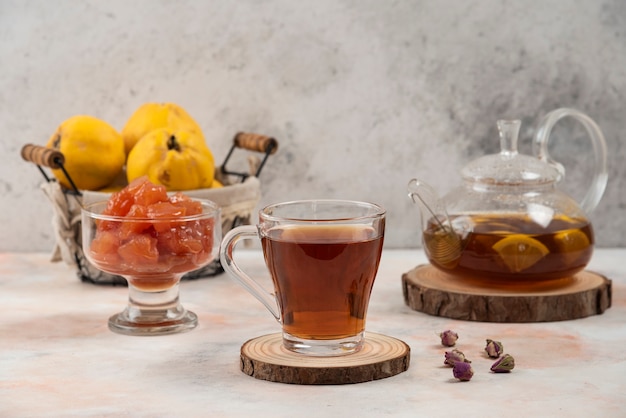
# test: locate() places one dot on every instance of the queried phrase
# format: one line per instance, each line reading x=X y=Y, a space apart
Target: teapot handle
x=600 y=177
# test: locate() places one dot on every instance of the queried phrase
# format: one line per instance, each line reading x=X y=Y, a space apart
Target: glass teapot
x=508 y=222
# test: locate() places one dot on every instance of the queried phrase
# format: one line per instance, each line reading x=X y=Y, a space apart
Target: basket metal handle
x=43 y=156
x=256 y=142
x=251 y=142
x=47 y=157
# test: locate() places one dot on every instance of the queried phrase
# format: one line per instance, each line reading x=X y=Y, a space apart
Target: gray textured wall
x=362 y=95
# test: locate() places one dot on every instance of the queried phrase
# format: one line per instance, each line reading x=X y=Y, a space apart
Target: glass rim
x=88 y=210
x=378 y=211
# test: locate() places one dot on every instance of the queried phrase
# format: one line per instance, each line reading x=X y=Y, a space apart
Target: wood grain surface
x=265 y=358
x=428 y=290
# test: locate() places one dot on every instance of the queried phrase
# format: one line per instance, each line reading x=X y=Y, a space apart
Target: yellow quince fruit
x=151 y=116
x=93 y=150
x=177 y=160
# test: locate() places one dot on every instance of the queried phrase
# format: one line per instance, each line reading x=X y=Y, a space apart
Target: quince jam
x=146 y=235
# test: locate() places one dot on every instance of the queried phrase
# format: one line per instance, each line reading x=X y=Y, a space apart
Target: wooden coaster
x=431 y=291
x=265 y=358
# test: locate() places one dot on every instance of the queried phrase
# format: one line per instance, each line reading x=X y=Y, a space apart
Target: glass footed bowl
x=152 y=254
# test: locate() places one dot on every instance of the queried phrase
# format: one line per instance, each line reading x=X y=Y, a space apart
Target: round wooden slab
x=265 y=358
x=431 y=291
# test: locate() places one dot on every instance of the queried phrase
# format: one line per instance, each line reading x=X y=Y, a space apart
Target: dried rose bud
x=494 y=348
x=448 y=338
x=462 y=371
x=455 y=356
x=504 y=364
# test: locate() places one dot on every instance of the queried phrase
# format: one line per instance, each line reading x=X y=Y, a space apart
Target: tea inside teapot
x=512 y=246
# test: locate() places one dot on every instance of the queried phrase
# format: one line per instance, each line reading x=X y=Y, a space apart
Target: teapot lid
x=509 y=168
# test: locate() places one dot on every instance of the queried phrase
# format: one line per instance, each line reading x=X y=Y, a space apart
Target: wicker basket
x=237 y=200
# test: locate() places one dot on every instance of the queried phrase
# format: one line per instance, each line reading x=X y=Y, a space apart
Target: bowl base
x=121 y=324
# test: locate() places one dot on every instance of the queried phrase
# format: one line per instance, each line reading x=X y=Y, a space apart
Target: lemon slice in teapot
x=520 y=252
x=570 y=243
x=571 y=240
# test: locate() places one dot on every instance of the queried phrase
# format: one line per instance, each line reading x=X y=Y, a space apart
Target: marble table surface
x=58 y=358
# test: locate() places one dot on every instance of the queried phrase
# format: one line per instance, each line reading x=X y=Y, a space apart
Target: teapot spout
x=441 y=243
x=428 y=201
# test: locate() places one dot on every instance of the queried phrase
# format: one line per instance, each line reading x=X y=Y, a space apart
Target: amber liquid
x=531 y=252
x=323 y=277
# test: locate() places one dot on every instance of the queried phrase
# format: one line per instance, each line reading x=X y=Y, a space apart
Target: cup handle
x=600 y=176
x=231 y=239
